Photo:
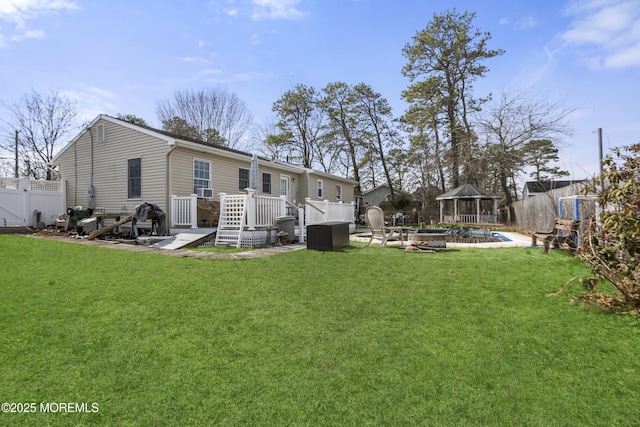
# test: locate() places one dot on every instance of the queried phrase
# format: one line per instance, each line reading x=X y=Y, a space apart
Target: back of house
x=116 y=165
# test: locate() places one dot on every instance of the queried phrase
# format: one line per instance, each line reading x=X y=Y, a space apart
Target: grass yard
x=362 y=336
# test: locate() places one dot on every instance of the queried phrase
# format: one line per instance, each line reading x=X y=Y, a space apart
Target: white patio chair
x=375 y=220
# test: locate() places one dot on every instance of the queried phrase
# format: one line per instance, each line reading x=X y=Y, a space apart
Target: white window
x=243 y=179
x=338 y=192
x=201 y=175
x=100 y=133
x=134 y=178
x=320 y=192
x=266 y=183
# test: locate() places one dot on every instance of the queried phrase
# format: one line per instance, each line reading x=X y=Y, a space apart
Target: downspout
x=168 y=185
x=90 y=190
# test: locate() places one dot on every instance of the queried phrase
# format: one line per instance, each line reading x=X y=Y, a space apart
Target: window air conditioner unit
x=205 y=193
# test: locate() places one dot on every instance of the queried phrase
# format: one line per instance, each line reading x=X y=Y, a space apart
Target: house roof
x=467 y=191
x=544 y=186
x=385 y=186
x=173 y=139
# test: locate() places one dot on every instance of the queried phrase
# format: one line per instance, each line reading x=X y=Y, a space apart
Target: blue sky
x=120 y=57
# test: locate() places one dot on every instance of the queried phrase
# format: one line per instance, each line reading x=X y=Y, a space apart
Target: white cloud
x=28 y=34
x=276 y=9
x=258 y=9
x=209 y=72
x=243 y=76
x=609 y=30
x=20 y=12
x=628 y=56
x=527 y=22
x=92 y=101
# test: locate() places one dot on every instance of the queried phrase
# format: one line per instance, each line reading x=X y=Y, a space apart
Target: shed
x=469 y=193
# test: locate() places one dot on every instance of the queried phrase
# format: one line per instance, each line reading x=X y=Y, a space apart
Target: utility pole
x=601 y=165
x=17 y=174
x=600 y=147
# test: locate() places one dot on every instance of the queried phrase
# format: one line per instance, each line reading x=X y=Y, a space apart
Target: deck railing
x=184 y=211
x=268 y=209
x=471 y=219
x=317 y=211
x=264 y=211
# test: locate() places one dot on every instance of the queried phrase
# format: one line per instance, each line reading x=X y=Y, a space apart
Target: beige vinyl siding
x=110 y=168
x=294 y=180
x=124 y=141
x=303 y=187
x=224 y=173
x=76 y=190
x=181 y=171
x=328 y=188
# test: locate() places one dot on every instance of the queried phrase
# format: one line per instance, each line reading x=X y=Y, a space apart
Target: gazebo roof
x=466 y=191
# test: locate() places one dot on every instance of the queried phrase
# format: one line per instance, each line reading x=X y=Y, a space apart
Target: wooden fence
x=538 y=213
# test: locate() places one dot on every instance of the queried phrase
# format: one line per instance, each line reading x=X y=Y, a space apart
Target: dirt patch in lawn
x=131 y=245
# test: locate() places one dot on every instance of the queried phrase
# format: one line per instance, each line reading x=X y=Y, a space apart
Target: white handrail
x=263 y=211
x=184 y=211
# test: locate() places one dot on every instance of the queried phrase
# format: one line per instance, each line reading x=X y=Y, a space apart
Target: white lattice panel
x=232 y=218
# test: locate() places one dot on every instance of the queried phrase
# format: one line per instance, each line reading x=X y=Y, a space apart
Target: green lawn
x=361 y=336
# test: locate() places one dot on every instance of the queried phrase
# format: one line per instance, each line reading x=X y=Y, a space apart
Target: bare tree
x=514 y=120
x=265 y=141
x=42 y=122
x=216 y=115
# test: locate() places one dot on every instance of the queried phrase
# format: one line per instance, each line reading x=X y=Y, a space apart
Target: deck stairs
x=233 y=214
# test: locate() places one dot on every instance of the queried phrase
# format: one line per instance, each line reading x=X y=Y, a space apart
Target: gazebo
x=469 y=193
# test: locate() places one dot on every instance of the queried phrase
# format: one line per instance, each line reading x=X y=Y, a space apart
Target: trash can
x=288 y=225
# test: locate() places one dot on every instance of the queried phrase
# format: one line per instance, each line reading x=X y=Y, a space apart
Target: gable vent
x=100 y=133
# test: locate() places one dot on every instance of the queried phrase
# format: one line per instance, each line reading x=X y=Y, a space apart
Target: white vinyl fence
x=317 y=211
x=20 y=198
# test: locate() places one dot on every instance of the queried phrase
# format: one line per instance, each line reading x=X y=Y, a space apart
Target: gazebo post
x=455 y=210
x=495 y=209
x=441 y=211
x=478 y=211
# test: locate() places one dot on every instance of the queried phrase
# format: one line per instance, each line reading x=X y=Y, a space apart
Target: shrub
x=612 y=247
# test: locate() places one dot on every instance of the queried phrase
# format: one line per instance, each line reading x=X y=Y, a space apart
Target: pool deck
x=517 y=240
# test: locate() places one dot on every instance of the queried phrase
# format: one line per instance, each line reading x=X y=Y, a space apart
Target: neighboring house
x=116 y=165
x=381 y=193
x=534 y=188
